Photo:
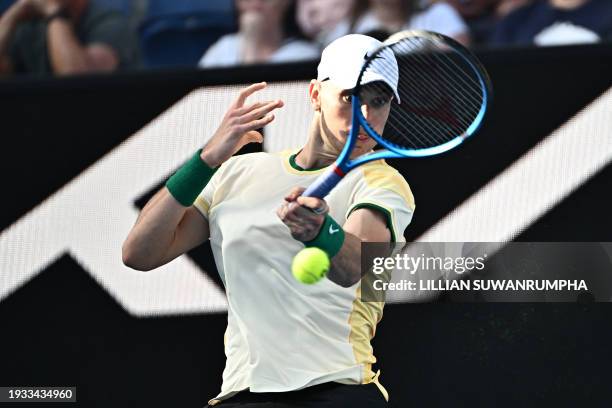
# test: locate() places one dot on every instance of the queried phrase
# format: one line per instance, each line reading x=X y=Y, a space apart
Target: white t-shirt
x=226 y=52
x=283 y=335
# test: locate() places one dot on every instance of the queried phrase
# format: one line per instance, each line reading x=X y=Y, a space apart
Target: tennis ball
x=310 y=265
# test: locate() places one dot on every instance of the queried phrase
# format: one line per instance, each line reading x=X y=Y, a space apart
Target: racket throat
x=339 y=171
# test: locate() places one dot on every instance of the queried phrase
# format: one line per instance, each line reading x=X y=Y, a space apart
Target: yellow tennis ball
x=310 y=265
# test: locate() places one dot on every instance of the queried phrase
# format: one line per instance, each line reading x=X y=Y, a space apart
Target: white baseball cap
x=341 y=63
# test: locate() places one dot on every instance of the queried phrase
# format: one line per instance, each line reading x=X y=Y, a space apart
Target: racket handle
x=323 y=184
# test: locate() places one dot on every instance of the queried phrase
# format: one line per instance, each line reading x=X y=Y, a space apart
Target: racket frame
x=343 y=164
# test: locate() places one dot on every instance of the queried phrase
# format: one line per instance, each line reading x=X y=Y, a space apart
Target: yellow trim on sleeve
x=202 y=205
x=381 y=175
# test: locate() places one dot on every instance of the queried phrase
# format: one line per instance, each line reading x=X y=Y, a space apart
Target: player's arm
x=362 y=225
x=169 y=225
x=164 y=230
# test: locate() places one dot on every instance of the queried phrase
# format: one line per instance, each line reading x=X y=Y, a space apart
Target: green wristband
x=330 y=237
x=189 y=181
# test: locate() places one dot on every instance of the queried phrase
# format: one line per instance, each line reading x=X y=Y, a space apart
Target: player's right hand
x=239 y=125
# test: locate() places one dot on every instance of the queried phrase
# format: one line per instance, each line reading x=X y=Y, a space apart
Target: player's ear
x=314 y=91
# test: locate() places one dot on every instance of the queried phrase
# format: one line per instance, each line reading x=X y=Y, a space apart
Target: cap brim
x=376 y=77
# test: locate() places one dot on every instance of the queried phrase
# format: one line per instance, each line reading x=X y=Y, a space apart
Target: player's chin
x=360 y=149
x=365 y=146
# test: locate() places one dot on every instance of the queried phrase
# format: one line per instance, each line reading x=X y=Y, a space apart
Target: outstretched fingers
x=256 y=124
x=259 y=112
x=248 y=91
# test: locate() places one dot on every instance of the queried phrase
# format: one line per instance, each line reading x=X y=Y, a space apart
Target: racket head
x=439 y=94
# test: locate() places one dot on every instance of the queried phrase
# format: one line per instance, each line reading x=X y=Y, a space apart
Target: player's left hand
x=303 y=215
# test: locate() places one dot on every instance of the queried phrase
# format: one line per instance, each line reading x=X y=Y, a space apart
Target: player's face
x=336 y=117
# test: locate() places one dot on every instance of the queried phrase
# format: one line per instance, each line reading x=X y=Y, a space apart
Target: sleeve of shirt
x=383 y=189
x=112 y=29
x=204 y=202
x=213 y=193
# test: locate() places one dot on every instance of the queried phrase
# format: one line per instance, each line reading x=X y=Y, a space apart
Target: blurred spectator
x=482 y=16
x=268 y=32
x=556 y=22
x=324 y=20
x=505 y=7
x=379 y=18
x=64 y=37
x=397 y=15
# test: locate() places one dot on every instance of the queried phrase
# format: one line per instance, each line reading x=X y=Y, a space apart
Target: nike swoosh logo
x=332 y=231
x=377 y=56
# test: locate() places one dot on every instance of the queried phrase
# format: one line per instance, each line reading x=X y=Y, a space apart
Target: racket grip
x=323 y=184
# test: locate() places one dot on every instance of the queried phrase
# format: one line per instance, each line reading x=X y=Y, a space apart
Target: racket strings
x=448 y=79
x=463 y=119
x=462 y=75
x=446 y=51
x=441 y=95
x=471 y=99
x=475 y=87
x=416 y=129
x=475 y=84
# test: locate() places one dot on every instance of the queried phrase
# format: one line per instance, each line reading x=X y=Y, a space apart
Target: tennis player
x=287 y=344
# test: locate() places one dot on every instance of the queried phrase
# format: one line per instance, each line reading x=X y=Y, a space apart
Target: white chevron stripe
x=536 y=182
x=90 y=216
x=525 y=191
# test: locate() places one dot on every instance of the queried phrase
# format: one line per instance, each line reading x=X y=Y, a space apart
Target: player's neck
x=314 y=154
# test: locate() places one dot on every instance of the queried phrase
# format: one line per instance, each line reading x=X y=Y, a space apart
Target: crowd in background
x=85 y=36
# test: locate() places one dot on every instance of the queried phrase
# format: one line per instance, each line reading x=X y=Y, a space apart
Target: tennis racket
x=443 y=93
